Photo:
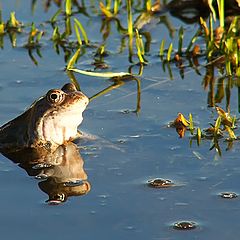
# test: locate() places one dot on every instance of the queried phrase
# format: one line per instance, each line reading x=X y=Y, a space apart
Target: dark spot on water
x=228 y=195
x=160 y=183
x=184 y=225
x=100 y=65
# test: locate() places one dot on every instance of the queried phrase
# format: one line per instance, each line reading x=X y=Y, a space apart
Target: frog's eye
x=55 y=96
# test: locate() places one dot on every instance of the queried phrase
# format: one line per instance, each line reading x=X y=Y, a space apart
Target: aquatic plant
x=223 y=127
x=69 y=34
x=79 y=28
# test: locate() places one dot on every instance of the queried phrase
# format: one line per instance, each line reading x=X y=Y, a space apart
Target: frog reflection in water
x=61 y=172
x=39 y=140
x=50 y=121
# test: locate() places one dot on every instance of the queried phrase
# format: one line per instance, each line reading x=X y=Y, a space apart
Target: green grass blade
x=191 y=127
x=231 y=133
x=54 y=17
x=199 y=136
x=180 y=40
x=68 y=27
x=220 y=4
x=79 y=25
x=212 y=9
x=56 y=34
x=169 y=52
x=193 y=40
x=140 y=48
x=73 y=60
x=103 y=74
x=148 y=5
x=161 y=50
x=217 y=125
x=105 y=10
x=68 y=7
x=130 y=23
x=116 y=6
x=78 y=34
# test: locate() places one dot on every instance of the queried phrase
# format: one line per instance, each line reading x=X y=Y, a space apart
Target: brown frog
x=49 y=122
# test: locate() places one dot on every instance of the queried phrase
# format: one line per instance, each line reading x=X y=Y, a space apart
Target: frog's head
x=55 y=117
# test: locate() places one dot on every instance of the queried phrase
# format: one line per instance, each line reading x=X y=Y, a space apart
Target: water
x=130 y=149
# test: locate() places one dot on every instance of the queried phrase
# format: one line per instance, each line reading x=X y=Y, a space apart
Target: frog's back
x=14 y=133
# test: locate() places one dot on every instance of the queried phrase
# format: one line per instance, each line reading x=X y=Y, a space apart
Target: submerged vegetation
x=214 y=45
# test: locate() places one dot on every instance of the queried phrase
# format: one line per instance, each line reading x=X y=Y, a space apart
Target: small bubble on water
x=125 y=111
x=228 y=195
x=129 y=227
x=181 y=204
x=122 y=141
x=202 y=178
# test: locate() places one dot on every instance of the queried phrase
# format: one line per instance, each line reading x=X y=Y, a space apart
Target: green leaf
x=1 y=28
x=116 y=6
x=212 y=9
x=191 y=127
x=79 y=25
x=14 y=22
x=56 y=34
x=54 y=17
x=220 y=4
x=78 y=34
x=73 y=59
x=97 y=74
x=231 y=133
x=217 y=125
x=140 y=48
x=130 y=23
x=68 y=7
x=199 y=136
x=105 y=11
x=238 y=72
x=161 y=50
x=180 y=40
x=39 y=36
x=169 y=52
x=193 y=40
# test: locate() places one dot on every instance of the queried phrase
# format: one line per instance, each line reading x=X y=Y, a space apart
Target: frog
x=49 y=122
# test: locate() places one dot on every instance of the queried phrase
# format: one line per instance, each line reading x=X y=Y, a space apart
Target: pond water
x=130 y=149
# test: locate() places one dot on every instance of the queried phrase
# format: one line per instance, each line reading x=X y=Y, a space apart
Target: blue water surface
x=130 y=148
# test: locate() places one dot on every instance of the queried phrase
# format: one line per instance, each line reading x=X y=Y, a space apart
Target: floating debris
x=184 y=225
x=181 y=124
x=160 y=183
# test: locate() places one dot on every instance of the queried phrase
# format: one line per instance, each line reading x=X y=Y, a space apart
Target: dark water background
x=131 y=149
